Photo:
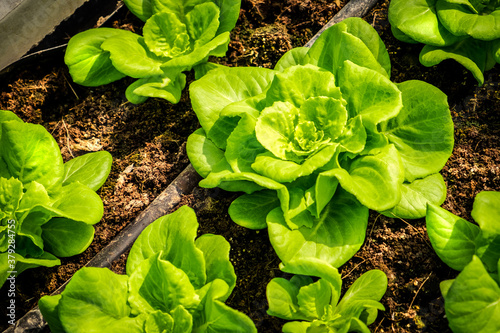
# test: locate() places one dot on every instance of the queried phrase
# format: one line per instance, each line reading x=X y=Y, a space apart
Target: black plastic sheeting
x=185 y=182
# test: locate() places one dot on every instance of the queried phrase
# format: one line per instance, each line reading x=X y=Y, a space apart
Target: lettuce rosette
x=467 y=31
x=174 y=282
x=320 y=140
x=177 y=36
x=48 y=208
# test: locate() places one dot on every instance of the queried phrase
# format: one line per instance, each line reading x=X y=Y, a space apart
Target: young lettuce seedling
x=177 y=36
x=318 y=141
x=174 y=283
x=464 y=30
x=315 y=306
x=472 y=300
x=47 y=207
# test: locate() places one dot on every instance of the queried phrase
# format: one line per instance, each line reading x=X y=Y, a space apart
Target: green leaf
x=352 y=39
x=48 y=308
x=334 y=237
x=282 y=297
x=284 y=171
x=416 y=195
x=29 y=241
x=472 y=303
x=418 y=20
x=488 y=250
x=11 y=192
x=8 y=116
x=173 y=235
x=297 y=327
x=166 y=36
x=275 y=128
x=250 y=210
x=215 y=316
x=242 y=144
x=131 y=56
x=80 y=203
x=216 y=47
x=19 y=264
x=90 y=65
x=159 y=321
x=423 y=131
x=179 y=8
x=35 y=195
x=229 y=13
x=216 y=253
x=470 y=53
x=293 y=57
x=486 y=211
x=167 y=87
x=314 y=298
x=369 y=94
x=452 y=238
x=99 y=294
x=375 y=180
x=223 y=86
x=65 y=238
x=203 y=153
x=461 y=21
x=90 y=169
x=143 y=9
x=363 y=294
x=298 y=83
x=202 y=23
x=157 y=284
x=31 y=154
x=183 y=320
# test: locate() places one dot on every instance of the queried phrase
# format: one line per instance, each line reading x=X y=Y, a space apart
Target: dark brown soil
x=147 y=142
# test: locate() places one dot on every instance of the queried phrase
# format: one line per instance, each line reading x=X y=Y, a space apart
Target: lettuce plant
x=467 y=31
x=318 y=141
x=472 y=300
x=173 y=283
x=47 y=207
x=315 y=307
x=177 y=35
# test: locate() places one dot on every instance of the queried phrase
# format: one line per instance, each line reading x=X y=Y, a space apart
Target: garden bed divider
x=183 y=184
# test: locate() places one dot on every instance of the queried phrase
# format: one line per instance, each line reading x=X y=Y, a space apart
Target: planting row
x=314 y=143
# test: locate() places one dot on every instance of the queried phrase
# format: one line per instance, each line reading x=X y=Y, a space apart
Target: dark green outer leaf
x=423 y=130
x=470 y=53
x=65 y=238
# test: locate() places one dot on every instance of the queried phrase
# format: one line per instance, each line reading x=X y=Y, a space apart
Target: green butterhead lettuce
x=315 y=306
x=177 y=36
x=47 y=207
x=472 y=299
x=456 y=240
x=318 y=141
x=174 y=283
x=466 y=31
